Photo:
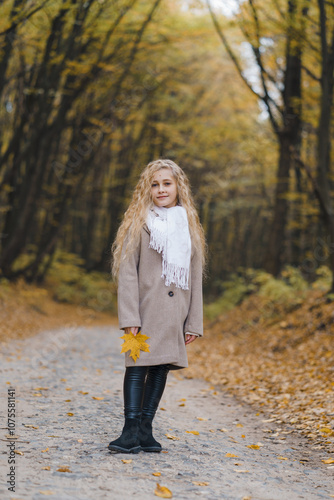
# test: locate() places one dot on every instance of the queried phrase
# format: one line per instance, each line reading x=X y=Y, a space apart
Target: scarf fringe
x=175 y=274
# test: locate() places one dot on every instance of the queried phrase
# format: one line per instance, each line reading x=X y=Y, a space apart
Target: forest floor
x=277 y=360
x=278 y=366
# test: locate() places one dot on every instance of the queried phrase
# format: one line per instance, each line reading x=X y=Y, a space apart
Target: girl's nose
x=161 y=188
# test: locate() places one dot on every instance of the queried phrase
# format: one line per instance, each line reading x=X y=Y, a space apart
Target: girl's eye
x=154 y=185
x=167 y=183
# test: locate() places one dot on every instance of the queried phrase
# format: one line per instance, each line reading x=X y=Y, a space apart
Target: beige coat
x=164 y=313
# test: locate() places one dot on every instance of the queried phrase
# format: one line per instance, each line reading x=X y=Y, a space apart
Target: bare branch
x=265 y=98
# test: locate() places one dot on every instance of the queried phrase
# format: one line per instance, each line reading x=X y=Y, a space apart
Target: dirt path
x=58 y=423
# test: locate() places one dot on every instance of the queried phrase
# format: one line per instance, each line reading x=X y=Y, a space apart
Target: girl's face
x=164 y=188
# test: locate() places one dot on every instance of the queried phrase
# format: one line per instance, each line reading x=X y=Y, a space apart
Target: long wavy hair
x=136 y=214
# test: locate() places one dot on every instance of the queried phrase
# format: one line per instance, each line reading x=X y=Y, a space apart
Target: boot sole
x=119 y=449
x=151 y=448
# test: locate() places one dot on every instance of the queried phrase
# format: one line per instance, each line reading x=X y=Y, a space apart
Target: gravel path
x=59 y=425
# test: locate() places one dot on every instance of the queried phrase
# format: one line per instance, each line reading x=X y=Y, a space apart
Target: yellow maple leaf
x=126 y=460
x=200 y=483
x=230 y=455
x=193 y=432
x=253 y=446
x=156 y=473
x=162 y=492
x=99 y=398
x=135 y=344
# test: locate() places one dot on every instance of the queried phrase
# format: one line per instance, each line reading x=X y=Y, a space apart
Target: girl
x=158 y=255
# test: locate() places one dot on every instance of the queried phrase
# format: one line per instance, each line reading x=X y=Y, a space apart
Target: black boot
x=128 y=442
x=133 y=391
x=146 y=439
x=154 y=388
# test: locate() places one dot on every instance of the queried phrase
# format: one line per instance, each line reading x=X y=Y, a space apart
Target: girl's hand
x=190 y=338
x=131 y=329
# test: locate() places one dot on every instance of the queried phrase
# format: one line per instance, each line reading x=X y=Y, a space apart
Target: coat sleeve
x=194 y=321
x=128 y=290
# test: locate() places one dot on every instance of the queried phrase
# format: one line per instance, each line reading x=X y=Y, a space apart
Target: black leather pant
x=142 y=390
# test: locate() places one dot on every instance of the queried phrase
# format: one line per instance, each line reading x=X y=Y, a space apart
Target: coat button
x=171 y=293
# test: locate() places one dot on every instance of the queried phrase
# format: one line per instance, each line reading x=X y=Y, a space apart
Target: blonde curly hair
x=136 y=214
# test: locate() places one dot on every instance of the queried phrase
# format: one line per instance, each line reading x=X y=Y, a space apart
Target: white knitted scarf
x=170 y=236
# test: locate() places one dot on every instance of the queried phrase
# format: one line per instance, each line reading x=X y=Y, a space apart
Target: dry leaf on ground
x=162 y=492
x=174 y=438
x=64 y=469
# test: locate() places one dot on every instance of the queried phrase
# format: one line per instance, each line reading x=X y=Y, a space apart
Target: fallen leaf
x=135 y=344
x=83 y=392
x=126 y=460
x=63 y=379
x=99 y=398
x=162 y=492
x=174 y=438
x=253 y=446
x=223 y=430
x=241 y=470
x=156 y=473
x=64 y=469
x=67 y=400
x=161 y=408
x=239 y=425
x=68 y=388
x=41 y=389
x=182 y=404
x=18 y=452
x=193 y=432
x=46 y=492
x=70 y=414
x=80 y=441
x=230 y=455
x=282 y=458
x=182 y=399
x=46 y=468
x=200 y=483
x=326 y=430
x=328 y=461
x=44 y=451
x=31 y=426
x=200 y=418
